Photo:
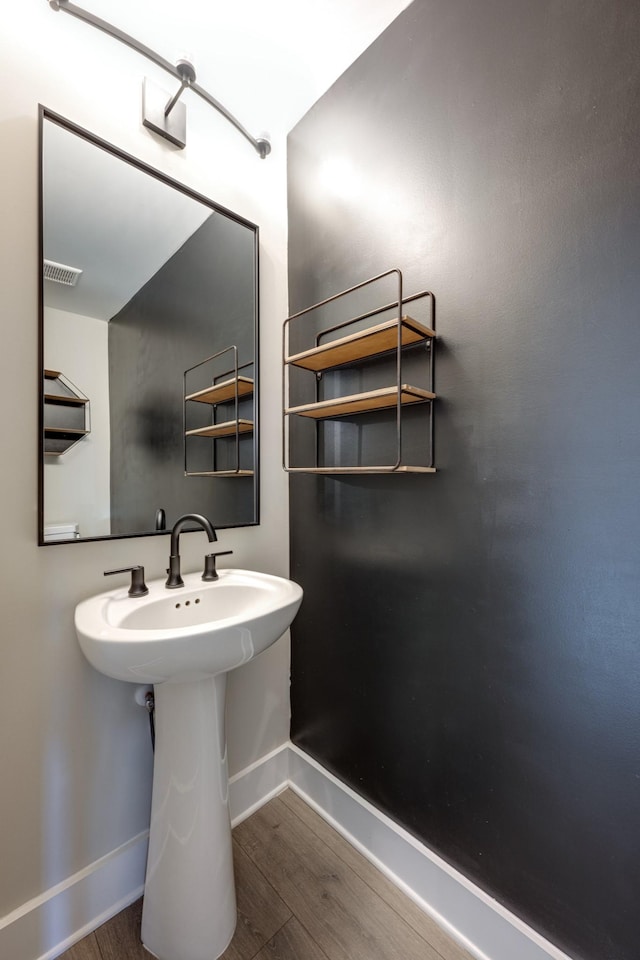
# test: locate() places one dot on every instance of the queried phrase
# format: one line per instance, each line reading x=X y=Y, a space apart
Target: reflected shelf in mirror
x=217 y=398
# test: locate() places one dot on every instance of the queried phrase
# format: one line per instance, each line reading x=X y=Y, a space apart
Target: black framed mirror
x=148 y=361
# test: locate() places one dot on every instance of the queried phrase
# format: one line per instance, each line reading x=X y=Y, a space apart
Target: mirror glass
x=149 y=331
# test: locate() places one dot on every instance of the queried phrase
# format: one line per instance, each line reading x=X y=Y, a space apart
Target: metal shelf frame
x=428 y=341
x=234 y=428
x=60 y=437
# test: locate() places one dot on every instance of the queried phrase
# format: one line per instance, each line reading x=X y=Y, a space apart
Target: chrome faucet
x=174 y=579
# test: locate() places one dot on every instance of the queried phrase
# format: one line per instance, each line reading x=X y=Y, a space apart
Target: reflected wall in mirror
x=148 y=296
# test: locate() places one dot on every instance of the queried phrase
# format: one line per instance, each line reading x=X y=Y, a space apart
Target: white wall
x=77 y=486
x=75 y=760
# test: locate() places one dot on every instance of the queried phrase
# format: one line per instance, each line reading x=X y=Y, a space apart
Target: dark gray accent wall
x=201 y=301
x=467 y=655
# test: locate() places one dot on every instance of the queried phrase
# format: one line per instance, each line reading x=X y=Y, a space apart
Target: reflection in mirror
x=148 y=347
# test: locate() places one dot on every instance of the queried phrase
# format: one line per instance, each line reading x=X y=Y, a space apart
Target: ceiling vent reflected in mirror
x=61 y=273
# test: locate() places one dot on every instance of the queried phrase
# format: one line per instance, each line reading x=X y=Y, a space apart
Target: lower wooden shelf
x=362 y=402
x=354 y=470
x=221 y=473
x=57 y=440
x=219 y=430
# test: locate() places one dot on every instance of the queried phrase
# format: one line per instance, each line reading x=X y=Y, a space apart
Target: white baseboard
x=257 y=784
x=46 y=926
x=482 y=925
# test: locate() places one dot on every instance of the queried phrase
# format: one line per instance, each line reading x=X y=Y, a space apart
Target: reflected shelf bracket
x=162 y=112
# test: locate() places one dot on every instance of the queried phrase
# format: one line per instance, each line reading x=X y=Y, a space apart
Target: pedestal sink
x=184 y=642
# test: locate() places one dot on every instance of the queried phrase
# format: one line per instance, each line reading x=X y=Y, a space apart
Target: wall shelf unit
x=390 y=339
x=66 y=414
x=230 y=387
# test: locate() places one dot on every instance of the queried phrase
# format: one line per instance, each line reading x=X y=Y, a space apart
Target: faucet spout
x=174 y=579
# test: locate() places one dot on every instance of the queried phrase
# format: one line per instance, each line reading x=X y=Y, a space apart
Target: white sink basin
x=190 y=633
x=184 y=641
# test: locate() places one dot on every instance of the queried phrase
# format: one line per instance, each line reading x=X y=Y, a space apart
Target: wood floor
x=303 y=894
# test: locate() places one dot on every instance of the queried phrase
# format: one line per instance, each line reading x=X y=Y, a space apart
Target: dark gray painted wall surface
x=201 y=301
x=467 y=655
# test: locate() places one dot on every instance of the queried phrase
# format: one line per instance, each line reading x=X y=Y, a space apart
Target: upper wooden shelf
x=362 y=402
x=219 y=430
x=223 y=391
x=358 y=346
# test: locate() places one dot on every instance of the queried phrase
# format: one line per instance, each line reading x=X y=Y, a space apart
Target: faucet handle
x=138 y=587
x=210 y=572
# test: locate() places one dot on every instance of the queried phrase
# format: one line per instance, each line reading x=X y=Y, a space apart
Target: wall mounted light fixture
x=163 y=113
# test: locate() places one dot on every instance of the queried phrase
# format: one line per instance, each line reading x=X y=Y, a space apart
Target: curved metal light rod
x=261 y=145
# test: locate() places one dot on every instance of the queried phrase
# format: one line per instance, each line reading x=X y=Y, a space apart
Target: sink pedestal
x=189 y=910
x=184 y=642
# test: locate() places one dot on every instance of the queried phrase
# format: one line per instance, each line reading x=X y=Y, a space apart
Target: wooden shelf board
x=218 y=430
x=362 y=402
x=361 y=345
x=222 y=473
x=51 y=374
x=62 y=444
x=64 y=399
x=224 y=391
x=352 y=470
x=55 y=432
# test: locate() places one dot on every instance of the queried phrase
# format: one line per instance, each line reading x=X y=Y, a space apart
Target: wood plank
x=289 y=834
x=223 y=391
x=421 y=922
x=120 y=936
x=261 y=912
x=64 y=399
x=292 y=942
x=356 y=470
x=362 y=402
x=219 y=430
x=345 y=917
x=221 y=473
x=70 y=431
x=358 y=346
x=85 y=949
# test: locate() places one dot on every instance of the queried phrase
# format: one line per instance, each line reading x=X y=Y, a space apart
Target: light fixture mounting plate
x=173 y=127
